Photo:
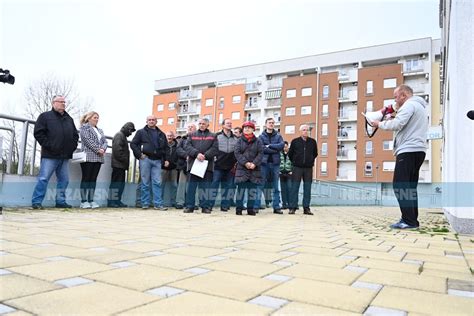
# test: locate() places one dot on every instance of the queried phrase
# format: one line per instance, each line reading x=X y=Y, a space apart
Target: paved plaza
x=341 y=261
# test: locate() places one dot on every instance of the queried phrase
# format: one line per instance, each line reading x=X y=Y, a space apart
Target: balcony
x=185 y=110
x=347 y=96
x=346 y=154
x=346 y=175
x=273 y=104
x=252 y=87
x=346 y=135
x=345 y=115
x=348 y=76
x=189 y=94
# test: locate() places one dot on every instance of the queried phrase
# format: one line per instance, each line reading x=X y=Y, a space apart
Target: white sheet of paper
x=199 y=168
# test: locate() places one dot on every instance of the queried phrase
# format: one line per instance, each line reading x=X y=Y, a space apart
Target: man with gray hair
x=303 y=151
x=201 y=145
x=182 y=167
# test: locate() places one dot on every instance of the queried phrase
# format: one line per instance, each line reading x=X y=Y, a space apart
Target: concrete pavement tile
x=197 y=270
x=4 y=309
x=463 y=268
x=165 y=291
x=355 y=269
x=268 y=301
x=400 y=279
x=113 y=255
x=284 y=263
x=265 y=247
x=191 y=303
x=140 y=246
x=320 y=251
x=247 y=267
x=73 y=281
x=12 y=260
x=393 y=256
x=123 y=264
x=320 y=273
x=254 y=255
x=5 y=272
x=368 y=246
x=365 y=285
x=423 y=302
x=326 y=261
x=44 y=252
x=437 y=259
x=380 y=311
x=295 y=308
x=429 y=251
x=325 y=294
x=172 y=261
x=89 y=243
x=13 y=245
x=101 y=299
x=461 y=285
x=141 y=277
x=56 y=258
x=278 y=277
x=386 y=265
x=56 y=270
x=448 y=274
x=469 y=294
x=195 y=251
x=230 y=285
x=15 y=285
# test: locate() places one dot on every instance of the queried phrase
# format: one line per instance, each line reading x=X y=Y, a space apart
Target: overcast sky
x=114 y=50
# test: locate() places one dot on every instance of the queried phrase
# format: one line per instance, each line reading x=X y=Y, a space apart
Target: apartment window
x=369 y=106
x=413 y=65
x=325 y=92
x=390 y=83
x=236 y=115
x=368 y=147
x=159 y=122
x=388 y=145
x=289 y=129
x=324 y=149
x=370 y=87
x=306 y=110
x=159 y=107
x=324 y=129
x=290 y=93
x=171 y=106
x=368 y=169
x=221 y=102
x=388 y=165
x=170 y=120
x=325 y=110
x=291 y=111
x=209 y=102
x=306 y=92
x=221 y=117
x=276 y=116
x=236 y=99
x=324 y=168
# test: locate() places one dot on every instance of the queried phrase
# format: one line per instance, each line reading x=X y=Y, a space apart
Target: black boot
x=251 y=212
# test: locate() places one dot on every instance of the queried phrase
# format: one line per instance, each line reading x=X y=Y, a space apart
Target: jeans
x=48 y=166
x=285 y=186
x=182 y=183
x=224 y=177
x=204 y=185
x=251 y=190
x=307 y=175
x=169 y=180
x=274 y=171
x=150 y=170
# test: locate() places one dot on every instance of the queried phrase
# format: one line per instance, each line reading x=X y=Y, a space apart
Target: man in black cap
x=120 y=164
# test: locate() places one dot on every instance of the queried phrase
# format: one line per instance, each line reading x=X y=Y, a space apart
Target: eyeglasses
x=60 y=102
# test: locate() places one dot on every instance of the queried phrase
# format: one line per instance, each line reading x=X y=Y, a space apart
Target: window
x=276 y=116
x=159 y=122
x=388 y=145
x=413 y=65
x=171 y=106
x=291 y=111
x=369 y=107
x=306 y=110
x=170 y=120
x=221 y=102
x=236 y=115
x=368 y=147
x=221 y=117
x=368 y=169
x=388 y=165
x=325 y=92
x=390 y=83
x=159 y=107
x=324 y=129
x=209 y=102
x=306 y=92
x=236 y=99
x=289 y=129
x=325 y=110
x=370 y=87
x=324 y=168
x=291 y=93
x=324 y=149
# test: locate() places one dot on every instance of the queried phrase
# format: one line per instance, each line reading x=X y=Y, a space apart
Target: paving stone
x=45 y=251
x=447 y=267
x=422 y=302
x=13 y=260
x=448 y=274
x=392 y=256
x=277 y=277
x=140 y=277
x=217 y=258
x=194 y=251
x=320 y=273
x=247 y=267
x=284 y=263
x=261 y=256
x=4 y=272
x=190 y=303
x=380 y=311
x=230 y=285
x=197 y=270
x=461 y=293
x=461 y=285
x=123 y=264
x=173 y=261
x=319 y=260
x=155 y=253
x=295 y=308
x=101 y=299
x=365 y=285
x=73 y=282
x=437 y=259
x=4 y=309
x=386 y=265
x=2 y=253
x=140 y=246
x=358 y=270
x=268 y=301
x=16 y=285
x=165 y=291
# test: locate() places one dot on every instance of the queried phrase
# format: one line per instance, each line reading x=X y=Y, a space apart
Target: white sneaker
x=85 y=205
x=94 y=205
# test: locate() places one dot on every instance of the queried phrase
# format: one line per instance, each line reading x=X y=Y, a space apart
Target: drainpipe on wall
x=316 y=127
x=215 y=108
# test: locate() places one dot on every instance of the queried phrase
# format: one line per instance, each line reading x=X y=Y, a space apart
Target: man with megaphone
x=410 y=126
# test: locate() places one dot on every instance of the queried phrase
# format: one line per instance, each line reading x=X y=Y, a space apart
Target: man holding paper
x=201 y=148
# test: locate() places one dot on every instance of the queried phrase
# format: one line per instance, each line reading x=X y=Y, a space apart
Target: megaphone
x=385 y=113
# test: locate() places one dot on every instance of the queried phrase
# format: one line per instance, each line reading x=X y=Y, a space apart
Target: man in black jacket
x=169 y=174
x=201 y=145
x=303 y=151
x=120 y=164
x=56 y=133
x=148 y=146
x=182 y=167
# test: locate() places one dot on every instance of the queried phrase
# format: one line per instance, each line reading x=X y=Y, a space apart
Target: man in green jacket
x=286 y=169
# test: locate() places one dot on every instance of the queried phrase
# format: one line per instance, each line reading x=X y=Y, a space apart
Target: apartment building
x=327 y=91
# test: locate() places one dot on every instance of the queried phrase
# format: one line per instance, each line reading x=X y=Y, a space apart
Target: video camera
x=5 y=76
